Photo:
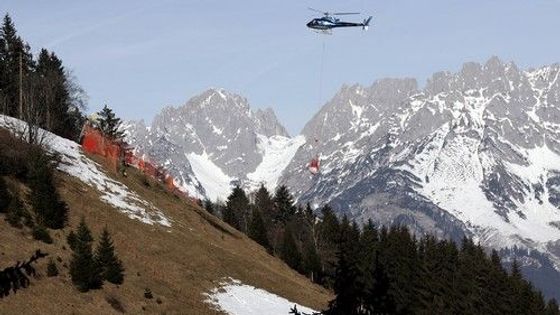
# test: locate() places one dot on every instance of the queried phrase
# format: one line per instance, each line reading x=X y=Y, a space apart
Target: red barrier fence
x=119 y=153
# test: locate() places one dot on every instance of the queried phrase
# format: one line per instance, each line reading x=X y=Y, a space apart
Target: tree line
x=380 y=270
x=38 y=90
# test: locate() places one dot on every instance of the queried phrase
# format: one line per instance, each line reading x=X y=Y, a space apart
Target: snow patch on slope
x=73 y=162
x=215 y=182
x=236 y=298
x=277 y=152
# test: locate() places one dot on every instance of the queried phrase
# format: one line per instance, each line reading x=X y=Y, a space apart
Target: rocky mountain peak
x=215 y=134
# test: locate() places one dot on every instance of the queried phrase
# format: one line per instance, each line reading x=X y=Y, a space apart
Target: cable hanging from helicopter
x=325 y=25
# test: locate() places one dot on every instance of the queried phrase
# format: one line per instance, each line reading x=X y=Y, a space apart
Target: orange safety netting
x=94 y=142
x=119 y=153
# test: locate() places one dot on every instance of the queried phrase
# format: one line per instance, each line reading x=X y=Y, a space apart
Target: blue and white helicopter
x=328 y=22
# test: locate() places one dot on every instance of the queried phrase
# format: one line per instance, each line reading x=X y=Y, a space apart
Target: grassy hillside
x=178 y=264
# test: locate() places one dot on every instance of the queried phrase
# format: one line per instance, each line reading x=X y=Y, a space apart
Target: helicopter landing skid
x=324 y=32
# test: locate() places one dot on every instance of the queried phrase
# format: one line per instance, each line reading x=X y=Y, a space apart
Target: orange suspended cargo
x=314 y=166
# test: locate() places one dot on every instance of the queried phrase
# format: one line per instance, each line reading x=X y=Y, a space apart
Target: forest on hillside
x=38 y=89
x=377 y=269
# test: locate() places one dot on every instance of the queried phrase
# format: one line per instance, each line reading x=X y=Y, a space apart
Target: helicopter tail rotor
x=365 y=25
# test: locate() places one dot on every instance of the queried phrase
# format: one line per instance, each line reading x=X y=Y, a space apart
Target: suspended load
x=314 y=165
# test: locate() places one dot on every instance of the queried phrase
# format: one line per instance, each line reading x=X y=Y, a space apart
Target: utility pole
x=20 y=85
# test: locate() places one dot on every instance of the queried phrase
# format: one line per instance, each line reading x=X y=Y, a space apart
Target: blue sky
x=139 y=56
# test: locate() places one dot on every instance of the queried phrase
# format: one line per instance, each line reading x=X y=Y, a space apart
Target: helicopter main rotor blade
x=345 y=13
x=317 y=10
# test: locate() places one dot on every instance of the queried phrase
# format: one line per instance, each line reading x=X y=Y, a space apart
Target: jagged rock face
x=473 y=153
x=216 y=129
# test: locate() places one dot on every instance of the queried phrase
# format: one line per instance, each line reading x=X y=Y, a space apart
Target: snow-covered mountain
x=215 y=141
x=473 y=153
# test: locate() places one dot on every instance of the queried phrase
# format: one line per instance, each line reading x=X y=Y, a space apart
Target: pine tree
x=52 y=270
x=289 y=252
x=40 y=233
x=208 y=206
x=330 y=226
x=51 y=211
x=348 y=296
x=12 y=51
x=348 y=285
x=84 y=269
x=284 y=204
x=112 y=268
x=257 y=230
x=236 y=212
x=15 y=212
x=327 y=242
x=71 y=239
x=379 y=299
x=57 y=104
x=5 y=197
x=311 y=261
x=109 y=124
x=265 y=204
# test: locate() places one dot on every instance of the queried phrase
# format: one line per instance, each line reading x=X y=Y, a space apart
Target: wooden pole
x=20 y=85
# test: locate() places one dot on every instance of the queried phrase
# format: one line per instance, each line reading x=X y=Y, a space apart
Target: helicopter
x=329 y=21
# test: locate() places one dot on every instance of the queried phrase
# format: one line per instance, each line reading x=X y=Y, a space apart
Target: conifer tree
x=58 y=107
x=264 y=203
x=109 y=124
x=330 y=226
x=348 y=285
x=5 y=197
x=257 y=230
x=236 y=212
x=380 y=301
x=311 y=261
x=52 y=270
x=51 y=211
x=84 y=269
x=112 y=268
x=15 y=212
x=40 y=233
x=13 y=50
x=208 y=206
x=289 y=251
x=71 y=239
x=284 y=204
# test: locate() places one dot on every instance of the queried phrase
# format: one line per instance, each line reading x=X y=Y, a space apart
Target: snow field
x=235 y=298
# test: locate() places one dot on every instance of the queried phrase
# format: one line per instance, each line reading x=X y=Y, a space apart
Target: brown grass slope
x=178 y=264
